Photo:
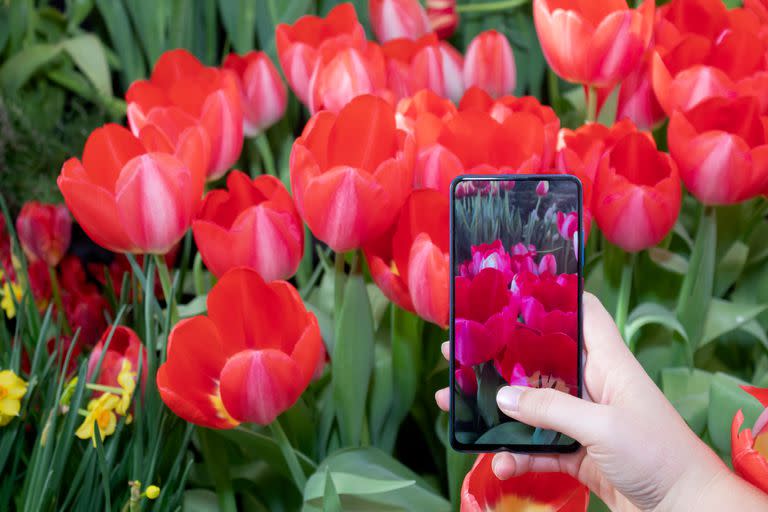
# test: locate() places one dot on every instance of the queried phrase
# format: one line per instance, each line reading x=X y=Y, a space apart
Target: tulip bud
x=263 y=93
x=392 y=19
x=542 y=188
x=490 y=64
x=443 y=17
x=44 y=231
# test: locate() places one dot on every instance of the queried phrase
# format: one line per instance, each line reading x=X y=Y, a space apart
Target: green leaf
x=276 y=12
x=367 y=479
x=458 y=465
x=725 y=316
x=88 y=55
x=651 y=313
x=730 y=267
x=406 y=343
x=668 y=260
x=688 y=390
x=511 y=432
x=696 y=290
x=607 y=114
x=331 y=500
x=200 y=500
x=488 y=385
x=381 y=395
x=725 y=398
x=352 y=359
x=123 y=40
x=15 y=72
x=196 y=306
x=239 y=18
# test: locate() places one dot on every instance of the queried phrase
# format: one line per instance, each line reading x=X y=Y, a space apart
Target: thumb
x=551 y=409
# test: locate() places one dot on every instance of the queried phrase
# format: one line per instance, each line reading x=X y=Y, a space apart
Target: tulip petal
x=258 y=385
x=428 y=280
x=106 y=151
x=363 y=135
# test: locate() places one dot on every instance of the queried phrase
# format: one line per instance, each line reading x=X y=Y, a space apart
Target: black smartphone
x=516 y=317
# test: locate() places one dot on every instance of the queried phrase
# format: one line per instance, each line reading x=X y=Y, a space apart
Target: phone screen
x=515 y=303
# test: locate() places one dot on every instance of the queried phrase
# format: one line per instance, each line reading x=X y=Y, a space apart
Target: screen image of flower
x=516 y=296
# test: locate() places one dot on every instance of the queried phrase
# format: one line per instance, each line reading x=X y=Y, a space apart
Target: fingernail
x=508 y=398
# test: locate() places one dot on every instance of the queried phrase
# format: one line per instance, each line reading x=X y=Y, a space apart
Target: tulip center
x=512 y=503
x=761 y=444
x=539 y=380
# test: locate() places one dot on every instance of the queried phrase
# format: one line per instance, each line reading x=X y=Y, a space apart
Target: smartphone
x=516 y=314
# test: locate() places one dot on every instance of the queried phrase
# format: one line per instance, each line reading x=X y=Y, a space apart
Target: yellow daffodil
x=152 y=492
x=7 y=294
x=102 y=412
x=12 y=390
x=127 y=380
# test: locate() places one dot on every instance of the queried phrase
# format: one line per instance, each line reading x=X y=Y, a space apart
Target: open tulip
x=392 y=19
x=124 y=345
x=490 y=64
x=721 y=149
x=44 y=231
x=485 y=256
x=594 y=43
x=749 y=448
x=637 y=193
x=132 y=197
x=702 y=51
x=556 y=492
x=501 y=108
x=410 y=265
x=249 y=360
x=263 y=93
x=251 y=224
x=482 y=304
x=208 y=96
x=426 y=63
x=423 y=114
x=443 y=17
x=343 y=164
x=299 y=44
x=531 y=358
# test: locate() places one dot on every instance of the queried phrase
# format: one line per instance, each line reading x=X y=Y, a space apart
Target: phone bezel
x=521 y=448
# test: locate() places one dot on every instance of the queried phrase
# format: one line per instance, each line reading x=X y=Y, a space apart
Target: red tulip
x=85 y=310
x=485 y=256
x=423 y=115
x=637 y=101
x=131 y=198
x=722 y=150
x=443 y=17
x=299 y=45
x=637 y=193
x=702 y=51
x=410 y=265
x=567 y=224
x=556 y=492
x=503 y=107
x=344 y=72
x=475 y=142
x=392 y=19
x=482 y=305
x=466 y=379
x=263 y=93
x=549 y=303
x=749 y=448
x=529 y=357
x=426 y=63
x=44 y=231
x=594 y=43
x=208 y=96
x=343 y=164
x=249 y=360
x=490 y=64
x=124 y=345
x=251 y=224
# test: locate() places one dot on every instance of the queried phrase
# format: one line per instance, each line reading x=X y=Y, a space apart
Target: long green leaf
x=88 y=54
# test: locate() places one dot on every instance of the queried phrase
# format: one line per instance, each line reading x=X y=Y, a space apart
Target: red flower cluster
x=329 y=62
x=749 y=448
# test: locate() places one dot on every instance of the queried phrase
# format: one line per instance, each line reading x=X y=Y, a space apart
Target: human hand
x=637 y=452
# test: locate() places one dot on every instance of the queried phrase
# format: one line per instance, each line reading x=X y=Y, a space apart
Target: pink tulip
x=264 y=97
x=490 y=64
x=392 y=19
x=567 y=224
x=542 y=188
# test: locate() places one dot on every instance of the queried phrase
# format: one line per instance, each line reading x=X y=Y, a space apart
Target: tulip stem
x=165 y=283
x=339 y=281
x=56 y=291
x=265 y=153
x=591 y=104
x=625 y=289
x=197 y=275
x=299 y=478
x=499 y=5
